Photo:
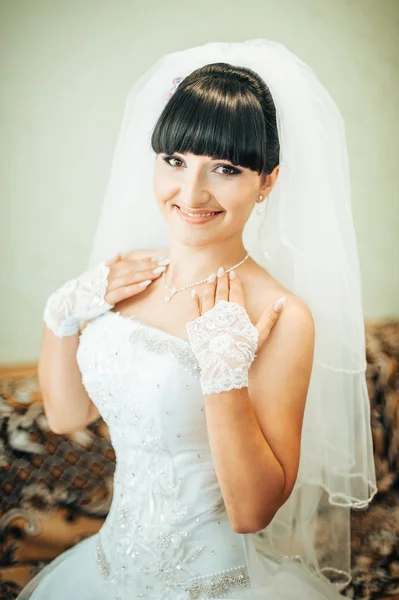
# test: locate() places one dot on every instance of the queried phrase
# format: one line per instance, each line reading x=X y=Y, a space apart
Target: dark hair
x=222 y=111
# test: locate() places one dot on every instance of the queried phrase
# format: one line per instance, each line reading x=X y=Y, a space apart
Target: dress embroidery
x=215 y=586
x=199 y=588
x=152 y=544
x=154 y=343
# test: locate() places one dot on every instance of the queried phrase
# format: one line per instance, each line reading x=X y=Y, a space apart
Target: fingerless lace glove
x=224 y=342
x=77 y=300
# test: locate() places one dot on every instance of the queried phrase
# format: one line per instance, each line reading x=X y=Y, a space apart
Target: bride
x=228 y=359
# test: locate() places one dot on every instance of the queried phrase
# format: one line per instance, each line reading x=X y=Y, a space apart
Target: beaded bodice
x=167 y=534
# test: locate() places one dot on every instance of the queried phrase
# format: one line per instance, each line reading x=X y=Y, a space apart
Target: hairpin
x=175 y=81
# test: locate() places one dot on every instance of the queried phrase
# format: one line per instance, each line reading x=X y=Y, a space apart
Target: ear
x=268 y=182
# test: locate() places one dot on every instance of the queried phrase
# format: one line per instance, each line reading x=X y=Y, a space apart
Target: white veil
x=306 y=240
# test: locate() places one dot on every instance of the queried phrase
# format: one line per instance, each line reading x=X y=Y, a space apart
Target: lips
x=197 y=212
x=196 y=220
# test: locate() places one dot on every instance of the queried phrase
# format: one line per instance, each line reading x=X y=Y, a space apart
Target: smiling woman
x=220 y=112
x=225 y=486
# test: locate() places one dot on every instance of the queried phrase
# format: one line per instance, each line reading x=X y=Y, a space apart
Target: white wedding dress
x=167 y=535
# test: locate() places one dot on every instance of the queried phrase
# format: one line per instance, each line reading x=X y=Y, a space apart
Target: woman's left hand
x=223 y=287
x=222 y=336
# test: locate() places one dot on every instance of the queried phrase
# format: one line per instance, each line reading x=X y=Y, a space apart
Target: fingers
x=195 y=307
x=225 y=286
x=208 y=296
x=129 y=277
x=236 y=291
x=268 y=319
x=122 y=293
x=127 y=272
x=222 y=286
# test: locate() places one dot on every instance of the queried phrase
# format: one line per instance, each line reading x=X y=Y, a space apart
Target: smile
x=196 y=218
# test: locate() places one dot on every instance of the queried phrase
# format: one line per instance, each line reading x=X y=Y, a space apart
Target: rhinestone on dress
x=213 y=586
x=152 y=545
x=101 y=558
x=155 y=342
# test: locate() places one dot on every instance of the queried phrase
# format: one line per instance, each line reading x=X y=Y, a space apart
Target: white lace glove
x=76 y=301
x=224 y=342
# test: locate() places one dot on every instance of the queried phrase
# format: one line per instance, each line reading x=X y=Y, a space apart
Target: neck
x=189 y=264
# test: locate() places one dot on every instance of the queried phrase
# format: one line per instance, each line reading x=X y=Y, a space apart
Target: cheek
x=239 y=204
x=163 y=187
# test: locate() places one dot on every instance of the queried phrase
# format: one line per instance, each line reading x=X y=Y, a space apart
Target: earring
x=260 y=207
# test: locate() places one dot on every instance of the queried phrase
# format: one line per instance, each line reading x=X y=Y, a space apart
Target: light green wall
x=65 y=69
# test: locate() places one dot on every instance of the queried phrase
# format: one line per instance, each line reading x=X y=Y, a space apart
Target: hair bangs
x=214 y=117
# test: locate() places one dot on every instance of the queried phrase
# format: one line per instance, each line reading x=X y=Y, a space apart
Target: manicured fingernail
x=158 y=270
x=232 y=275
x=211 y=278
x=278 y=305
x=145 y=283
x=193 y=293
x=163 y=261
x=221 y=272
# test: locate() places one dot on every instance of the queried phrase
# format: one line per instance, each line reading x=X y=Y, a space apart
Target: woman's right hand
x=96 y=291
x=128 y=277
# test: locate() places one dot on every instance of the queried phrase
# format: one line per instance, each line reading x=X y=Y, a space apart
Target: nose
x=193 y=191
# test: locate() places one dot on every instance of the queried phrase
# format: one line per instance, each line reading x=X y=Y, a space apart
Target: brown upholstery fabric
x=56 y=490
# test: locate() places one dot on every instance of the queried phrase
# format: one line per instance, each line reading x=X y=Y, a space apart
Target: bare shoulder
x=262 y=291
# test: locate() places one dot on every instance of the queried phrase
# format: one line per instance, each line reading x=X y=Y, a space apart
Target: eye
x=167 y=159
x=232 y=170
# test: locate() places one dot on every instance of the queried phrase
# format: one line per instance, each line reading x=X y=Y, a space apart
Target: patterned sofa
x=56 y=490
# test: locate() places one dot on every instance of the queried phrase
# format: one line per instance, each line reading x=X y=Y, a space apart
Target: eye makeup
x=233 y=170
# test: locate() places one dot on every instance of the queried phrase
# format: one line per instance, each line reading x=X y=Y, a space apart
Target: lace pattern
x=224 y=341
x=77 y=300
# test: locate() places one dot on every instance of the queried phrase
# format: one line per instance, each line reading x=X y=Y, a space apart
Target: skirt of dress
x=75 y=575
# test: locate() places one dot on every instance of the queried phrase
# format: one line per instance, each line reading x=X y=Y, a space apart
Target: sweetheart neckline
x=151 y=327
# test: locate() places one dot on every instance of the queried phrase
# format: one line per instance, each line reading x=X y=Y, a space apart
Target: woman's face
x=198 y=185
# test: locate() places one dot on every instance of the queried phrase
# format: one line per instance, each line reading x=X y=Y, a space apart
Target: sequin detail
x=101 y=558
x=158 y=539
x=219 y=584
x=154 y=342
x=199 y=588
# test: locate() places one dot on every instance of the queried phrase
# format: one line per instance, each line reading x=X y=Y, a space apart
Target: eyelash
x=234 y=171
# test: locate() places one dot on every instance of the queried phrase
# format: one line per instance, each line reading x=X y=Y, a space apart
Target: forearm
x=65 y=400
x=250 y=477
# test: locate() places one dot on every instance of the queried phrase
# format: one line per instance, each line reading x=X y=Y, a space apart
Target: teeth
x=200 y=215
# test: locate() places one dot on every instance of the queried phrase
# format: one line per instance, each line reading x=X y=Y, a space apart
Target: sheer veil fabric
x=306 y=240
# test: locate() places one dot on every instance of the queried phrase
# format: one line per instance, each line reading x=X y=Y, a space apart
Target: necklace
x=173 y=291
